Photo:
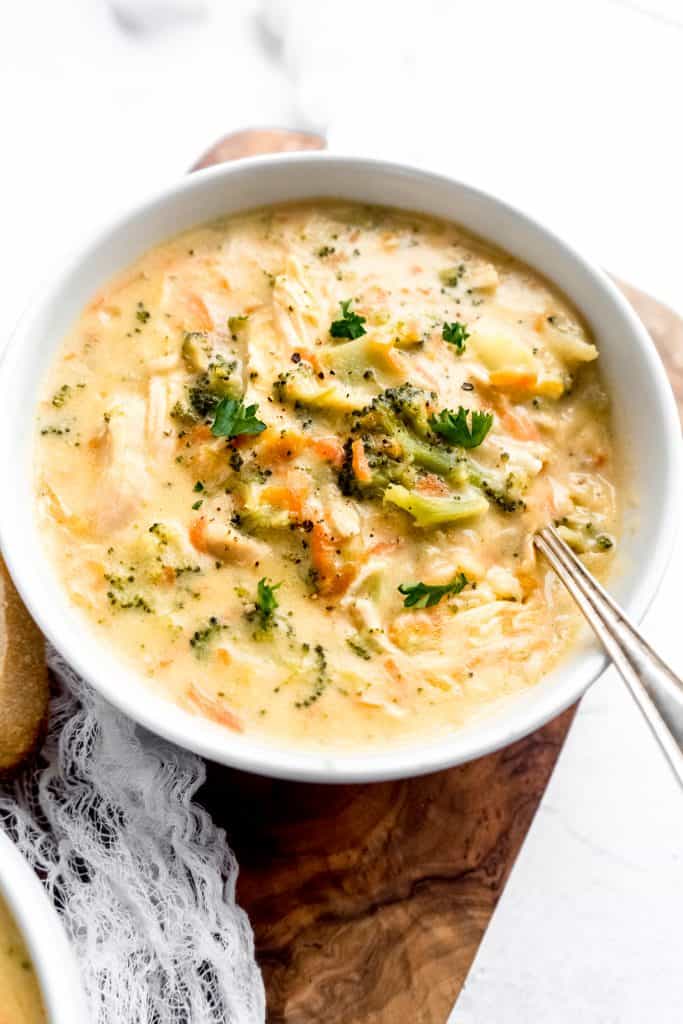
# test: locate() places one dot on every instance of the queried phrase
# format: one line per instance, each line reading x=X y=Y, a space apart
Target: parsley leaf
x=455 y=334
x=350 y=325
x=266 y=601
x=455 y=428
x=232 y=419
x=426 y=595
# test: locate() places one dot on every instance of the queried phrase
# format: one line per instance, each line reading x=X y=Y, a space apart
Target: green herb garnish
x=266 y=602
x=232 y=419
x=426 y=595
x=455 y=334
x=455 y=428
x=350 y=325
x=142 y=314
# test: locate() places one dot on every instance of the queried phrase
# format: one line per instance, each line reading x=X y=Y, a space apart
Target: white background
x=570 y=109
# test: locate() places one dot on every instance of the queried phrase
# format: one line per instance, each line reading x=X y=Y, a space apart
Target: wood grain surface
x=369 y=902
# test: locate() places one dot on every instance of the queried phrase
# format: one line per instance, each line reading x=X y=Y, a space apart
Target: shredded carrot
x=276 y=447
x=334 y=575
x=202 y=432
x=383 y=547
x=514 y=380
x=310 y=357
x=197 y=533
x=330 y=449
x=285 y=497
x=393 y=670
x=359 y=462
x=431 y=484
x=200 y=316
x=516 y=421
x=211 y=709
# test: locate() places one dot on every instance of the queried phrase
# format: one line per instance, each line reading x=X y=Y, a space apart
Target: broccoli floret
x=195 y=351
x=256 y=516
x=220 y=380
x=436 y=510
x=504 y=490
x=387 y=465
x=202 y=638
x=398 y=444
x=405 y=406
x=302 y=388
x=580 y=533
x=264 y=608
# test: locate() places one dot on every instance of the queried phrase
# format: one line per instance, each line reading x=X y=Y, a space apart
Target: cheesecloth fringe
x=142 y=878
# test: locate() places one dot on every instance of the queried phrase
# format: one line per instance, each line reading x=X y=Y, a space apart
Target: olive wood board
x=368 y=902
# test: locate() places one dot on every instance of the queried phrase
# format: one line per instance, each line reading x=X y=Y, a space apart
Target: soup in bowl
x=20 y=998
x=285 y=467
x=290 y=465
x=39 y=982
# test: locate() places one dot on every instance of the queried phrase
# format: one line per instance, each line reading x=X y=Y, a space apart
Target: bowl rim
x=51 y=955
x=303 y=763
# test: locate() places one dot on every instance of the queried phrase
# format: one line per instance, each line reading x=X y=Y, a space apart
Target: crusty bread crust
x=23 y=680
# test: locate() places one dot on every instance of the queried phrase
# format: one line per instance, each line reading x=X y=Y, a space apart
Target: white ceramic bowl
x=44 y=936
x=645 y=422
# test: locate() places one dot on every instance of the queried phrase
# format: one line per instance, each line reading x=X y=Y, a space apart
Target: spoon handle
x=657 y=690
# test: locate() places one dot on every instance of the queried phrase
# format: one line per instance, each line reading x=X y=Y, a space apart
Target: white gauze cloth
x=142 y=878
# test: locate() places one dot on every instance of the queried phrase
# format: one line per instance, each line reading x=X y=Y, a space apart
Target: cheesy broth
x=20 y=1000
x=289 y=464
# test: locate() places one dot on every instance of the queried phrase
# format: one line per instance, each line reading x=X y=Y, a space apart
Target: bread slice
x=23 y=680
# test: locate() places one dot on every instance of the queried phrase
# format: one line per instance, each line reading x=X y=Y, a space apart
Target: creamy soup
x=20 y=1001
x=289 y=464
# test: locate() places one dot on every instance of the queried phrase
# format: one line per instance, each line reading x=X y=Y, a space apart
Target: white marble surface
x=570 y=109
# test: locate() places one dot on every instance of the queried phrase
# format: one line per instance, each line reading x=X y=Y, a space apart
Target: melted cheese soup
x=20 y=1000
x=289 y=464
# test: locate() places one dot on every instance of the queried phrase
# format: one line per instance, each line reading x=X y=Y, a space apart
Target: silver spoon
x=657 y=690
